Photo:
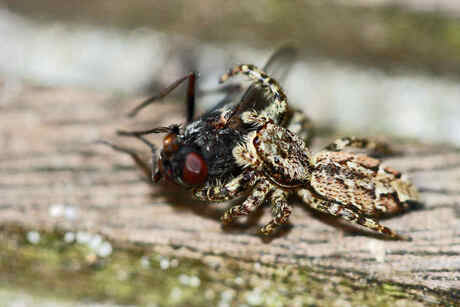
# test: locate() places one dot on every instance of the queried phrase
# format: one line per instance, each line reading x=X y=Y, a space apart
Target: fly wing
x=281 y=62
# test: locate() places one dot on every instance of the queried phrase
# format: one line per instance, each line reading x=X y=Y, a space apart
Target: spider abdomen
x=360 y=181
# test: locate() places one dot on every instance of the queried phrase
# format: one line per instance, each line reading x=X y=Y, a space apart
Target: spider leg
x=277 y=109
x=280 y=211
x=370 y=147
x=191 y=77
x=254 y=200
x=134 y=155
x=224 y=191
x=347 y=213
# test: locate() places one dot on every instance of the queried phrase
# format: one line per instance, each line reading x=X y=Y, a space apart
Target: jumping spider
x=259 y=147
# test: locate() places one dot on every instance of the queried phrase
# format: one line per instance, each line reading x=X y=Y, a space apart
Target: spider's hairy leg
x=280 y=211
x=347 y=213
x=134 y=155
x=254 y=200
x=278 y=107
x=299 y=123
x=370 y=147
x=232 y=189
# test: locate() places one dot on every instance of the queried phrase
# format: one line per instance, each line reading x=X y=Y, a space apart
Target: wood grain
x=48 y=161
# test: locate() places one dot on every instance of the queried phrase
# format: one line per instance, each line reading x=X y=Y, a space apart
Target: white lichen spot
x=69 y=237
x=164 y=263
x=191 y=281
x=194 y=281
x=95 y=242
x=70 y=212
x=56 y=210
x=104 y=250
x=33 y=237
x=62 y=210
x=255 y=297
x=239 y=281
x=83 y=237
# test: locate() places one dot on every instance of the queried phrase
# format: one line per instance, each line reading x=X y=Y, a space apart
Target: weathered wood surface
x=48 y=160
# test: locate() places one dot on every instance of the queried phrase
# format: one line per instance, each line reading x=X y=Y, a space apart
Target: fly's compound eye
x=195 y=169
x=170 y=144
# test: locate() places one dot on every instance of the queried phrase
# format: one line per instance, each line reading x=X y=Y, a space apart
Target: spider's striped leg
x=278 y=106
x=255 y=200
x=224 y=191
x=347 y=213
x=280 y=211
x=370 y=147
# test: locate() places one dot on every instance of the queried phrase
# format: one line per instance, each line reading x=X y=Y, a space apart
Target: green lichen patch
x=71 y=266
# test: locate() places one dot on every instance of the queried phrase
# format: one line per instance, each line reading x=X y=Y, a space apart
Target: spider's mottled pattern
x=258 y=148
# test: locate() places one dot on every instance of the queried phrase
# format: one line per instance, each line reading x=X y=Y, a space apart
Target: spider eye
x=195 y=169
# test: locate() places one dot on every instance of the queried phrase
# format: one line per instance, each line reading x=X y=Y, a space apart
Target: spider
x=258 y=147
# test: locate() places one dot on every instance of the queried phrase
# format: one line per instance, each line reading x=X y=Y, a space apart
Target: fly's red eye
x=195 y=169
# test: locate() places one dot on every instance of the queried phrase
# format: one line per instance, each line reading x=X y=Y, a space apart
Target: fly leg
x=190 y=98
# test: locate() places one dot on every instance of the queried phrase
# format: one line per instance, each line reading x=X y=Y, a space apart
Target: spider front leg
x=280 y=211
x=349 y=214
x=278 y=198
x=370 y=147
x=254 y=200
x=276 y=109
x=219 y=191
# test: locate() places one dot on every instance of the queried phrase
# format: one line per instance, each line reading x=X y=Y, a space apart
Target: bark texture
x=53 y=175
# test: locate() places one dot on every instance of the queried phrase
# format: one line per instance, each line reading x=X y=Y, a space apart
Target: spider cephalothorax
x=258 y=148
